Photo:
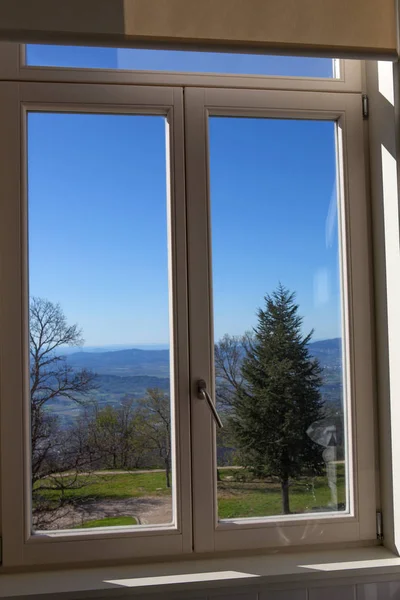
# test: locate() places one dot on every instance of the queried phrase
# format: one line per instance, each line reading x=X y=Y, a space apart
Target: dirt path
x=148 y=510
x=136 y=472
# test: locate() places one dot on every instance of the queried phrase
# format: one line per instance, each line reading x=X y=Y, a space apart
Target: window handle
x=204 y=395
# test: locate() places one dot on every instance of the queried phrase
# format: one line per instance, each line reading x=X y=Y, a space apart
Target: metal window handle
x=204 y=395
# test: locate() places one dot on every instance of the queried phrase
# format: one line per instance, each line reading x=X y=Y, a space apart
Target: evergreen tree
x=280 y=396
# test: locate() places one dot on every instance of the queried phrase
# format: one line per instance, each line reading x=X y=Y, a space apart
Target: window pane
x=99 y=321
x=277 y=318
x=177 y=60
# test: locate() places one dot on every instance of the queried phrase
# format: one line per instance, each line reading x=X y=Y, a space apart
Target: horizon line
x=138 y=345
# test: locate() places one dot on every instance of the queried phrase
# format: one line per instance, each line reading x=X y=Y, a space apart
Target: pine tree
x=280 y=397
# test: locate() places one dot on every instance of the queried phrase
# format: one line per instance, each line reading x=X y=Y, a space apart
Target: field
x=108 y=487
x=255 y=498
x=130 y=498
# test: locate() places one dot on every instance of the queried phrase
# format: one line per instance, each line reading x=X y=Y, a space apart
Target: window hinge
x=365 y=106
x=379 y=527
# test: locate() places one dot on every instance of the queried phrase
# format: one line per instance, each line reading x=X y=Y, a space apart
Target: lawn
x=102 y=487
x=108 y=522
x=255 y=498
x=239 y=495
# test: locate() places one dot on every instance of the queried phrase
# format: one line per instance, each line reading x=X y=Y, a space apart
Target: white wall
x=335 y=27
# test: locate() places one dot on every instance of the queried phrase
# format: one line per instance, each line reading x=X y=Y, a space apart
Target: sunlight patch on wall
x=385 y=80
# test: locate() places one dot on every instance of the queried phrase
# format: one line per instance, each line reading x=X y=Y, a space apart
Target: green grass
x=108 y=522
x=256 y=498
x=239 y=495
x=102 y=487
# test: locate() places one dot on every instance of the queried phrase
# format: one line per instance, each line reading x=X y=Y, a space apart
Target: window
x=274 y=227
x=179 y=61
x=256 y=130
x=80 y=403
x=172 y=223
x=55 y=392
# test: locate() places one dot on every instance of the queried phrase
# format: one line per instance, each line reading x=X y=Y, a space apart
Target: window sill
x=204 y=574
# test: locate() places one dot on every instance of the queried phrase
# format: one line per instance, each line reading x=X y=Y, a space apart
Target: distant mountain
x=119 y=373
x=132 y=362
x=329 y=355
x=130 y=372
x=328 y=352
x=133 y=386
x=111 y=389
x=327 y=346
x=67 y=350
x=155 y=362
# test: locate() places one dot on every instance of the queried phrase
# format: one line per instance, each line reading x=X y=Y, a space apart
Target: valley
x=130 y=372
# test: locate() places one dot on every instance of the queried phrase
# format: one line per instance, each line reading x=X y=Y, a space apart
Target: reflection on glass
x=99 y=324
x=85 y=57
x=277 y=318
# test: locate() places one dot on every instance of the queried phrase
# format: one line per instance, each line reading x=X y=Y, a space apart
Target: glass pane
x=99 y=321
x=84 y=57
x=277 y=318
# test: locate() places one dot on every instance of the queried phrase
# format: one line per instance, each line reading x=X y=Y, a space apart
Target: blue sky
x=274 y=219
x=97 y=209
x=172 y=60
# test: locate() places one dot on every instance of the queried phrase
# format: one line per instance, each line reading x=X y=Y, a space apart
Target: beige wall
x=335 y=27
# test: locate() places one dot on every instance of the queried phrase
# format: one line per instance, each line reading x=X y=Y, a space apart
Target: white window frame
x=360 y=523
x=20 y=546
x=12 y=66
x=75 y=90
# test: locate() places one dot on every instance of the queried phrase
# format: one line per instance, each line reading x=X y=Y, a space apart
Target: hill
x=328 y=352
x=136 y=385
x=130 y=372
x=155 y=363
x=111 y=389
x=132 y=362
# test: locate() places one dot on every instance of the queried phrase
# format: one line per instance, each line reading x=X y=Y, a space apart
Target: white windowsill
x=196 y=575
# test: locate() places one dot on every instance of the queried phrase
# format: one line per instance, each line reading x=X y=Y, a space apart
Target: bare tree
x=52 y=379
x=156 y=423
x=228 y=355
x=115 y=436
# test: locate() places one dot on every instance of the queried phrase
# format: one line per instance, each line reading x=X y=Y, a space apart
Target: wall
x=382 y=590
x=345 y=590
x=335 y=27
